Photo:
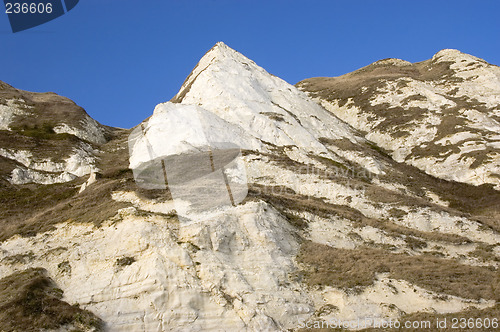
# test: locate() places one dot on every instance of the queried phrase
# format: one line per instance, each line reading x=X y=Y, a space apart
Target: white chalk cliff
x=315 y=183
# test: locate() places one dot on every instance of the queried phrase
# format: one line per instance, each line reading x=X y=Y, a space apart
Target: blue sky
x=119 y=58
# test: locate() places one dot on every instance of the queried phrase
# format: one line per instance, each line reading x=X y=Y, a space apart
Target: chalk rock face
x=154 y=275
x=330 y=226
x=176 y=129
x=233 y=87
x=441 y=115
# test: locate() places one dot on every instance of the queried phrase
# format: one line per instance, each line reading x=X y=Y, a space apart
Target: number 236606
x=28 y=8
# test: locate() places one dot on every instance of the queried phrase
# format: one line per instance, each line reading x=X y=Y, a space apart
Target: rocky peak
x=221 y=56
x=392 y=62
x=453 y=55
x=48 y=109
x=235 y=88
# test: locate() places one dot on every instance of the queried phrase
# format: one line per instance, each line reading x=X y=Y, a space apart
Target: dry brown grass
x=290 y=204
x=351 y=269
x=480 y=203
x=43 y=145
x=349 y=85
x=30 y=209
x=485 y=253
x=30 y=301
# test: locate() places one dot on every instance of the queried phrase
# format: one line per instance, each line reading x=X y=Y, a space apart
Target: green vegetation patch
x=44 y=131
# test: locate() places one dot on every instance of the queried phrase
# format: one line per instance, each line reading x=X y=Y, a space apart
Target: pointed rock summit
x=220 y=52
x=453 y=55
x=235 y=88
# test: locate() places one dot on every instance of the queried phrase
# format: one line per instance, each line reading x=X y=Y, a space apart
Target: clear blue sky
x=119 y=58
